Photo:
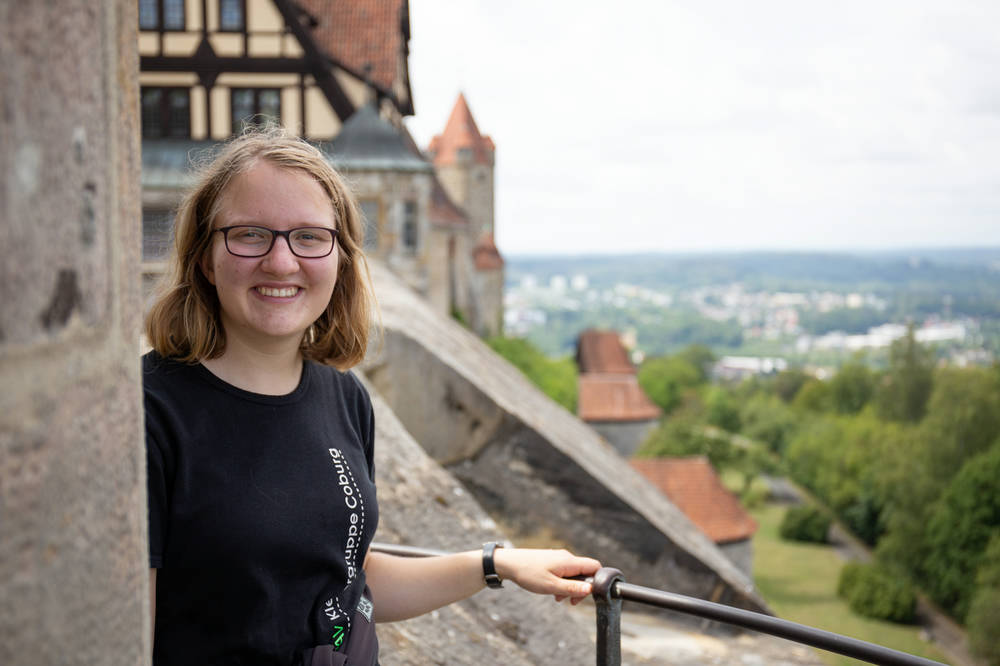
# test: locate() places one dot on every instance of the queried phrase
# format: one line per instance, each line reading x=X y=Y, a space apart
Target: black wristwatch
x=493 y=580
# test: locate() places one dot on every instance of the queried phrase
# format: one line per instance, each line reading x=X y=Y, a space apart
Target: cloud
x=690 y=125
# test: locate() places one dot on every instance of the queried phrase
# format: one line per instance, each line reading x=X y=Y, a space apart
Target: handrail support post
x=609 y=615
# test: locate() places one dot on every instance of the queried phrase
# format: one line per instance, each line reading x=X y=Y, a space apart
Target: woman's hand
x=546 y=571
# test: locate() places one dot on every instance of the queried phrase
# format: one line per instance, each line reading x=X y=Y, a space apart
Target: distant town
x=775 y=314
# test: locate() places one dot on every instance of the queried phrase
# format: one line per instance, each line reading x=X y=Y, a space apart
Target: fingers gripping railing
x=610 y=589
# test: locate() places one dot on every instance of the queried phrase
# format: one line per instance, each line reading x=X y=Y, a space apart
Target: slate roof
x=694 y=487
x=602 y=351
x=368 y=142
x=613 y=397
x=461 y=132
x=359 y=33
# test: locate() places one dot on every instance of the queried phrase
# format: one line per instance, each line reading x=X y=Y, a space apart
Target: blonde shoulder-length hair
x=184 y=322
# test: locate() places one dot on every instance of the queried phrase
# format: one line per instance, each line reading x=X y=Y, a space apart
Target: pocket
x=362 y=644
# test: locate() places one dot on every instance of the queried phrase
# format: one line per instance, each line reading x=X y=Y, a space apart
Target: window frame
x=243 y=17
x=165 y=112
x=160 y=25
x=410 y=231
x=236 y=124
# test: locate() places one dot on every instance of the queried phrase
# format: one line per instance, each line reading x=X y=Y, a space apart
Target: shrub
x=875 y=591
x=805 y=522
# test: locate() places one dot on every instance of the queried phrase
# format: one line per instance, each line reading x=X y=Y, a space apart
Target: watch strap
x=490 y=575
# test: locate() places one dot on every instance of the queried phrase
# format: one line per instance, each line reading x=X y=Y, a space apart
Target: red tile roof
x=461 y=132
x=602 y=351
x=359 y=33
x=486 y=255
x=694 y=487
x=613 y=397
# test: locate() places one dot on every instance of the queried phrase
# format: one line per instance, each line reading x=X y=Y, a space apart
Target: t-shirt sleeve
x=158 y=490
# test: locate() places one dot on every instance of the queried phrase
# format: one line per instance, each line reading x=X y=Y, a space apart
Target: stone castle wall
x=73 y=552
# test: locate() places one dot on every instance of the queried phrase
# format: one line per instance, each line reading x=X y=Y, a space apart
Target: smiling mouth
x=284 y=292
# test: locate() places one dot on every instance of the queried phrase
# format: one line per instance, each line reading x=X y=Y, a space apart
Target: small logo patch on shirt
x=365 y=607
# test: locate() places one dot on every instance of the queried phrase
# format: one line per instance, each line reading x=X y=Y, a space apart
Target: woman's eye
x=250 y=235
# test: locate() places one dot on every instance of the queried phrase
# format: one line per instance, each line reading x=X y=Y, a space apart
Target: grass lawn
x=799 y=582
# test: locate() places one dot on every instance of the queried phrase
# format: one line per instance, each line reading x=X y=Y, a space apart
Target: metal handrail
x=610 y=589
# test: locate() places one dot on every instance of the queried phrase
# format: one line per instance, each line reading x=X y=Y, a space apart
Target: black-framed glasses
x=306 y=242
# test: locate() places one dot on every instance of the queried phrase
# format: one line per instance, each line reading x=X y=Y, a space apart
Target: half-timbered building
x=334 y=72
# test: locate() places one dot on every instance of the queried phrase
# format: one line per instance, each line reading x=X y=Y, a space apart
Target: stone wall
x=73 y=550
x=625 y=436
x=741 y=554
x=536 y=468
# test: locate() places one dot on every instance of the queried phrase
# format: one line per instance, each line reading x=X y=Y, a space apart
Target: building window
x=157 y=234
x=166 y=113
x=410 y=226
x=161 y=14
x=254 y=106
x=232 y=15
x=369 y=211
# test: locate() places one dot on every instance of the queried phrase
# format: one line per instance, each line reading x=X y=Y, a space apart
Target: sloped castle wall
x=533 y=466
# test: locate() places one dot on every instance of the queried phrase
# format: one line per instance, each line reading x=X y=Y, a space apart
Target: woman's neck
x=272 y=371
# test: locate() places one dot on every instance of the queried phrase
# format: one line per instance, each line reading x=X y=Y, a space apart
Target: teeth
x=285 y=292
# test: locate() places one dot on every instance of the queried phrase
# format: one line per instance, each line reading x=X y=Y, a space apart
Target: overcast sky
x=726 y=125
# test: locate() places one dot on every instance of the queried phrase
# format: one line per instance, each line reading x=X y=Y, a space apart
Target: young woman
x=260 y=443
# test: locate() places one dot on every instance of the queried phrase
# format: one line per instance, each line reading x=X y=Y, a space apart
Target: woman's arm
x=405 y=587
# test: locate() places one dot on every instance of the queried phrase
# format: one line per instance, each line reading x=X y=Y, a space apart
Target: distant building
x=694 y=487
x=737 y=368
x=610 y=399
x=464 y=160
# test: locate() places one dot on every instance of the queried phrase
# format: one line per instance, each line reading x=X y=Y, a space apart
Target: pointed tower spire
x=461 y=141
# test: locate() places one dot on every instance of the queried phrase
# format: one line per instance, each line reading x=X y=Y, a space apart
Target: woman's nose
x=281 y=259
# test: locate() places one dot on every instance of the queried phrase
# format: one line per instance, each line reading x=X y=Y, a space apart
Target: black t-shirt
x=261 y=510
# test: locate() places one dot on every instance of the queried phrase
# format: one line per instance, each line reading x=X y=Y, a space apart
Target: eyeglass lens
x=246 y=241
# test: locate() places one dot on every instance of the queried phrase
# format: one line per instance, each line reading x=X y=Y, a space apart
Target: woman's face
x=273 y=298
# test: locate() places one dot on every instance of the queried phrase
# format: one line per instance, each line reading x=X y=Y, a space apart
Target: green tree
x=557 y=378
x=852 y=387
x=665 y=378
x=963 y=418
x=786 y=384
x=721 y=409
x=903 y=392
x=700 y=357
x=961 y=525
x=767 y=419
x=814 y=396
